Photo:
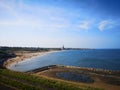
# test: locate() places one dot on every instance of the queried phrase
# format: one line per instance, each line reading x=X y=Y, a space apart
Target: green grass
x=26 y=81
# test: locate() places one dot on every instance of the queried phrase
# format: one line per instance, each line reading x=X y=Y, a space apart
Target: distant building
x=63 y=47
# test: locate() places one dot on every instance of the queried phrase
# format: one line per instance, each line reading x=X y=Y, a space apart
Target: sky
x=54 y=23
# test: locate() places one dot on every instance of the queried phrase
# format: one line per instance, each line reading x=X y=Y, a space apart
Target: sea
x=108 y=59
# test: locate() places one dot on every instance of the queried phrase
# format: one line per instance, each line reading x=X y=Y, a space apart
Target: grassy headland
x=26 y=81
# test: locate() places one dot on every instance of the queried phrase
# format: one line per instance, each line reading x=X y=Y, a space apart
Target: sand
x=22 y=56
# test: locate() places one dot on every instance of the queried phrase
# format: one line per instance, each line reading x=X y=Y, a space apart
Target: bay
x=98 y=58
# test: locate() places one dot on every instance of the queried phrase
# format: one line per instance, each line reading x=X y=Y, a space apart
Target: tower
x=63 y=47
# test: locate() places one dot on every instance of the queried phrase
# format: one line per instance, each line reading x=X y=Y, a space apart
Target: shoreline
x=22 y=56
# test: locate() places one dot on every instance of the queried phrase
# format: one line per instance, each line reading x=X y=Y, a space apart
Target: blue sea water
x=98 y=58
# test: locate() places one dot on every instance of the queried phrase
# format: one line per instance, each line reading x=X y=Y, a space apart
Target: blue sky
x=53 y=23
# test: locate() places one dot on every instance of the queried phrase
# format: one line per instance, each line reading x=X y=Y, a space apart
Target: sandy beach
x=22 y=56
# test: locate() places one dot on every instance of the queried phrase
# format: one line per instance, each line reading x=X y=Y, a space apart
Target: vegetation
x=32 y=49
x=26 y=81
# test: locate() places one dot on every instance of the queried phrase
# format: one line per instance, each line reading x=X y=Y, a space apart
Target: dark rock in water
x=75 y=77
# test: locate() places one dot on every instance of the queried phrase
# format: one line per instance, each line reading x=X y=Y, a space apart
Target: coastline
x=106 y=79
x=22 y=56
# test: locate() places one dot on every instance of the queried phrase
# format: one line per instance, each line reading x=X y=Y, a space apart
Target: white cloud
x=84 y=25
x=38 y=17
x=105 y=24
